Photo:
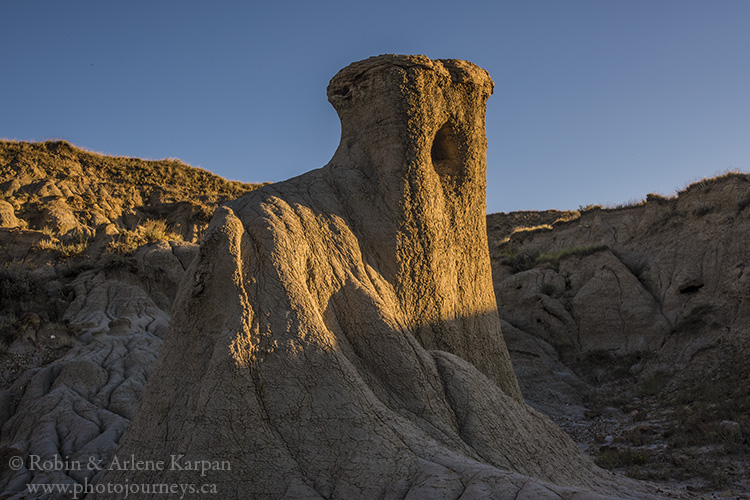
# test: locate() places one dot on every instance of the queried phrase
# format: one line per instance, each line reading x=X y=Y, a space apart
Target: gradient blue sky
x=597 y=101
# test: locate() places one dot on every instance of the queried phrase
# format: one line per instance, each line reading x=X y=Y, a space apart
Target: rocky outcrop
x=74 y=372
x=647 y=307
x=91 y=254
x=337 y=335
x=590 y=303
x=67 y=192
x=637 y=279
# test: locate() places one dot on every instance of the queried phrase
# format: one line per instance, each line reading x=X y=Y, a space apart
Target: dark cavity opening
x=444 y=148
x=691 y=288
x=344 y=91
x=449 y=159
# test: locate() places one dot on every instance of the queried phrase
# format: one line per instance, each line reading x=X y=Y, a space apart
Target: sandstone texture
x=337 y=334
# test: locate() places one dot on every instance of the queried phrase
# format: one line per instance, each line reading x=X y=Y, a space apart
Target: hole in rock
x=448 y=160
x=344 y=91
x=445 y=155
x=691 y=288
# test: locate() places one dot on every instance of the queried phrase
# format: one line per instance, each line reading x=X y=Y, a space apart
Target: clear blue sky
x=597 y=101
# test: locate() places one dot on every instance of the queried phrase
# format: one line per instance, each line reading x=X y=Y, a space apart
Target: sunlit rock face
x=337 y=335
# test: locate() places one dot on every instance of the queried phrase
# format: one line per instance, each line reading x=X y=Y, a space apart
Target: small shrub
x=697 y=425
x=72 y=247
x=16 y=280
x=567 y=217
x=636 y=472
x=118 y=260
x=657 y=198
x=548 y=289
x=203 y=213
x=153 y=230
x=74 y=267
x=156 y=230
x=702 y=210
x=601 y=365
x=653 y=383
x=613 y=458
x=632 y=203
x=579 y=251
x=635 y=437
x=743 y=204
x=518 y=261
x=588 y=208
x=149 y=231
x=527 y=259
x=125 y=243
x=706 y=183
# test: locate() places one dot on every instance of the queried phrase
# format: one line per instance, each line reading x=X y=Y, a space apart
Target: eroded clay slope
x=640 y=315
x=337 y=335
x=74 y=370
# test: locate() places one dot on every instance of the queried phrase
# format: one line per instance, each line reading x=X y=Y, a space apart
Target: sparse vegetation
x=703 y=209
x=688 y=421
x=743 y=204
x=701 y=408
x=577 y=251
x=504 y=225
x=115 y=185
x=526 y=259
x=19 y=288
x=68 y=248
x=589 y=208
x=156 y=230
x=518 y=261
x=601 y=365
x=122 y=177
x=613 y=458
x=16 y=280
x=548 y=289
x=48 y=231
x=150 y=231
x=635 y=202
x=653 y=383
x=532 y=229
x=567 y=217
x=658 y=198
x=707 y=183
x=125 y=243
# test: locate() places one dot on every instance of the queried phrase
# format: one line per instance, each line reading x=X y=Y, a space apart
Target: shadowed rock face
x=337 y=336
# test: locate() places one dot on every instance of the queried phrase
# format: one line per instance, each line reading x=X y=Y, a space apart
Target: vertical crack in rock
x=360 y=294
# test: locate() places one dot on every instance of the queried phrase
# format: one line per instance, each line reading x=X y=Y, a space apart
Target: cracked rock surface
x=75 y=408
x=337 y=334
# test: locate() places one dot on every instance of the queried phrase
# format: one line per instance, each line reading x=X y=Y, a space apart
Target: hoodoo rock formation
x=337 y=334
